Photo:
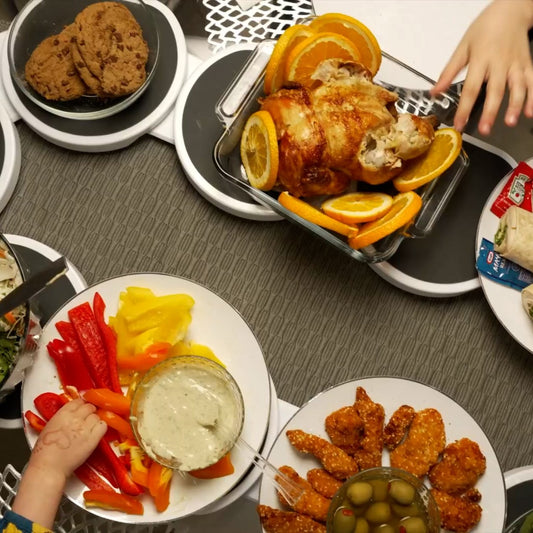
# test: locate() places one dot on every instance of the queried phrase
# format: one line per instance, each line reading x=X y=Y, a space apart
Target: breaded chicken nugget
x=423 y=445
x=344 y=428
x=460 y=467
x=310 y=503
x=276 y=521
x=458 y=513
x=337 y=462
x=397 y=426
x=323 y=482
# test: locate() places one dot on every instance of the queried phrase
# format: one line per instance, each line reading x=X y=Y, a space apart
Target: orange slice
x=356 y=207
x=291 y=37
x=259 y=150
x=405 y=207
x=356 y=32
x=443 y=151
x=305 y=57
x=311 y=214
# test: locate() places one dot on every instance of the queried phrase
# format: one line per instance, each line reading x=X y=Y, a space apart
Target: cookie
x=50 y=69
x=112 y=47
x=91 y=81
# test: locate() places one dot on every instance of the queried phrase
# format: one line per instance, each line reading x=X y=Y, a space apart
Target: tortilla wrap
x=514 y=238
x=527 y=300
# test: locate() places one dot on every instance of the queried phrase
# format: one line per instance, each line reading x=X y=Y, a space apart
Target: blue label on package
x=492 y=265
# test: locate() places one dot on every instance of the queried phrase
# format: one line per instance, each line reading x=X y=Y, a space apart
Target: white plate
x=214 y=323
x=391 y=393
x=504 y=301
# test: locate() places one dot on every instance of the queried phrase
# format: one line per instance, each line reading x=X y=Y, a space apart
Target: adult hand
x=496 y=49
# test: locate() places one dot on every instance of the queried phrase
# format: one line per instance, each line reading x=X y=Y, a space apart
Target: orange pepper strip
x=159 y=478
x=139 y=472
x=116 y=422
x=114 y=501
x=107 y=399
x=142 y=362
x=223 y=467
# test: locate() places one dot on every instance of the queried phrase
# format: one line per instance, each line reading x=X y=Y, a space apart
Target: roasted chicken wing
x=458 y=513
x=276 y=521
x=397 y=426
x=344 y=428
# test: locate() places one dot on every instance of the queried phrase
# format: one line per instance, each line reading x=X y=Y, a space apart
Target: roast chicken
x=342 y=128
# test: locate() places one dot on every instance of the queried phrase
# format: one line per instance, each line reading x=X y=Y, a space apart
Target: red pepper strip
x=48 y=404
x=142 y=362
x=84 y=323
x=116 y=422
x=223 y=467
x=113 y=501
x=159 y=478
x=99 y=462
x=107 y=399
x=70 y=365
x=67 y=331
x=122 y=476
x=35 y=421
x=91 y=479
x=110 y=340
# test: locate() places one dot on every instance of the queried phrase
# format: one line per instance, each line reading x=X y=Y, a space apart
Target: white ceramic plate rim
x=392 y=392
x=504 y=301
x=226 y=202
x=9 y=172
x=216 y=324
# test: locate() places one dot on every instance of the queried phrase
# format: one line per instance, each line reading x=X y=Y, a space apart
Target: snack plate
x=240 y=101
x=392 y=392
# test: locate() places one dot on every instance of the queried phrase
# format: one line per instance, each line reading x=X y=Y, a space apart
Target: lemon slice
x=259 y=150
x=440 y=156
x=357 y=207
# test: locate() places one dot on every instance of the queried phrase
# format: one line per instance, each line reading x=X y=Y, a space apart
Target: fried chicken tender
x=276 y=521
x=323 y=482
x=373 y=416
x=461 y=466
x=310 y=503
x=458 y=513
x=337 y=462
x=424 y=443
x=397 y=426
x=344 y=428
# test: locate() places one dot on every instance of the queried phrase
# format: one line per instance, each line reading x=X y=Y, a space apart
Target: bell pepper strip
x=125 y=483
x=99 y=463
x=91 y=479
x=110 y=340
x=82 y=318
x=48 y=404
x=113 y=501
x=108 y=399
x=138 y=468
x=70 y=365
x=159 y=478
x=223 y=467
x=121 y=425
x=141 y=362
x=34 y=420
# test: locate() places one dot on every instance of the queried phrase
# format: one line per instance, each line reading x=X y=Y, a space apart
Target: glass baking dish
x=239 y=101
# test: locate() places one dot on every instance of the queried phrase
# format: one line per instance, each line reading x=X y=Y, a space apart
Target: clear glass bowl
x=388 y=474
x=40 y=19
x=523 y=524
x=187 y=412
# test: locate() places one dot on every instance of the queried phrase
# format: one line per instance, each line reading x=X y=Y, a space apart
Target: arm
x=64 y=444
x=496 y=49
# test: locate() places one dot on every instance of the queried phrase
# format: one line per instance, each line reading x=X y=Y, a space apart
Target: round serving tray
x=9 y=157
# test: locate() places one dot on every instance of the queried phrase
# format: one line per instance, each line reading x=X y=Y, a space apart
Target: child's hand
x=496 y=49
x=68 y=438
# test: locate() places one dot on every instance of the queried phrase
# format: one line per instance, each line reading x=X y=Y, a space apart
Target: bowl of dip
x=383 y=499
x=187 y=412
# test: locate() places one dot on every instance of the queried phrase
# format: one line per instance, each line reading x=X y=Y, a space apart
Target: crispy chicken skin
x=424 y=443
x=344 y=127
x=276 y=521
x=323 y=482
x=397 y=426
x=344 y=428
x=310 y=503
x=458 y=513
x=337 y=462
x=460 y=467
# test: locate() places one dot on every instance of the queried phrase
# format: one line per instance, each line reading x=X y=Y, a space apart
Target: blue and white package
x=492 y=265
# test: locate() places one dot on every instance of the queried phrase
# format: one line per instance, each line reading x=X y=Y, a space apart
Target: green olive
x=361 y=526
x=413 y=524
x=343 y=520
x=384 y=528
x=378 y=513
x=405 y=510
x=359 y=492
x=402 y=491
x=381 y=489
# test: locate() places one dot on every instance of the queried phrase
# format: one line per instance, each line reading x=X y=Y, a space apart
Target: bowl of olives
x=383 y=500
